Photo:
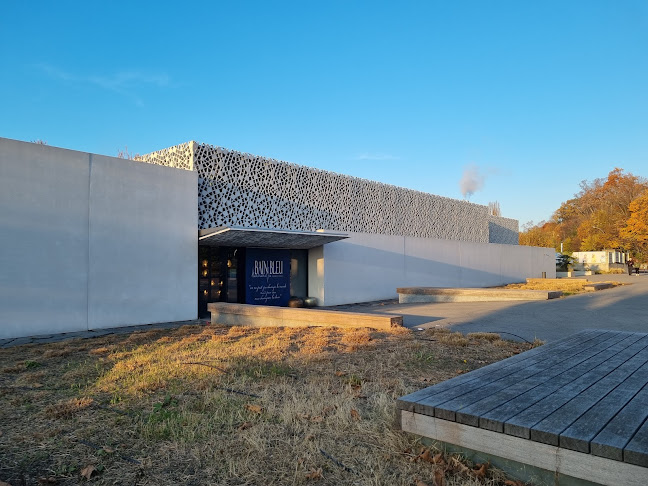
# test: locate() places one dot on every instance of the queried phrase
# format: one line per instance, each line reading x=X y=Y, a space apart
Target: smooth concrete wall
x=88 y=241
x=43 y=239
x=368 y=267
x=316 y=273
x=143 y=243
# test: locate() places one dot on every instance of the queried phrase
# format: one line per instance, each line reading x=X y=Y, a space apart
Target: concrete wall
x=143 y=244
x=88 y=241
x=43 y=239
x=370 y=267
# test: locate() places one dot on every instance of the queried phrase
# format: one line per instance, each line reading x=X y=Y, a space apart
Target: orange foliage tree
x=594 y=218
x=635 y=233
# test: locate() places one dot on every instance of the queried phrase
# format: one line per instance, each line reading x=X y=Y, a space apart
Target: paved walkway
x=623 y=308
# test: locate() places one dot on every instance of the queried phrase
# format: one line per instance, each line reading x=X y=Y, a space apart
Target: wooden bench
x=443 y=294
x=228 y=314
x=575 y=407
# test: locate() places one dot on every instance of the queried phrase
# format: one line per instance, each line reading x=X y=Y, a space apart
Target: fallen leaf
x=254 y=408
x=457 y=465
x=2 y=483
x=310 y=437
x=328 y=409
x=244 y=426
x=87 y=471
x=109 y=450
x=438 y=459
x=420 y=483
x=480 y=470
x=314 y=473
x=305 y=416
x=424 y=456
x=439 y=477
x=354 y=414
x=317 y=419
x=340 y=373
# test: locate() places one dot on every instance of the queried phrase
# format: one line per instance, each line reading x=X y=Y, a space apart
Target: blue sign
x=267 y=276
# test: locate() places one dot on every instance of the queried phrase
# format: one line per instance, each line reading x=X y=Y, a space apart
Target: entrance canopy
x=266 y=238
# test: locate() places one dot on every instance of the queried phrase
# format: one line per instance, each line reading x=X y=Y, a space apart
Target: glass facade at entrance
x=220 y=276
x=223 y=276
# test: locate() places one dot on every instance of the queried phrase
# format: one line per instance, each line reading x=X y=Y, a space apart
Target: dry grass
x=232 y=406
x=567 y=286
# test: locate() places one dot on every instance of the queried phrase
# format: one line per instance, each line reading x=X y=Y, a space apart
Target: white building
x=89 y=241
x=600 y=260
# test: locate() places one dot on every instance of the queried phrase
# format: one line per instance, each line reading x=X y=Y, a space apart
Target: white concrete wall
x=43 y=239
x=370 y=267
x=143 y=244
x=88 y=241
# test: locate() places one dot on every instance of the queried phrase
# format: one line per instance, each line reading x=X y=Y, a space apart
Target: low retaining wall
x=223 y=313
x=436 y=294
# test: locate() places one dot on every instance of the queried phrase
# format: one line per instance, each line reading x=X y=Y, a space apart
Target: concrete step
x=592 y=287
x=444 y=294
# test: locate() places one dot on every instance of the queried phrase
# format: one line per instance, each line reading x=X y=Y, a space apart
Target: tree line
x=607 y=213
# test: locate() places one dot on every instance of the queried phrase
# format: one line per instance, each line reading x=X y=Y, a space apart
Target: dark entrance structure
x=255 y=266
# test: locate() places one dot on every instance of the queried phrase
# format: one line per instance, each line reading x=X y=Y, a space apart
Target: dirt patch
x=232 y=406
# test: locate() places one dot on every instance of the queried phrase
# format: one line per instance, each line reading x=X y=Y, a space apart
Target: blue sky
x=533 y=96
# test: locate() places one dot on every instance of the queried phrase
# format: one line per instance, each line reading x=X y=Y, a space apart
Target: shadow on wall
x=355 y=272
x=498 y=233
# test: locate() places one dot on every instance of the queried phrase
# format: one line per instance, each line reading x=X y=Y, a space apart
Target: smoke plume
x=471 y=181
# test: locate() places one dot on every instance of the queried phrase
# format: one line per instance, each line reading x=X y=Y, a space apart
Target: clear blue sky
x=537 y=96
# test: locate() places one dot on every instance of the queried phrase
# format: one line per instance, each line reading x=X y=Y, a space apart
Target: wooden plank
x=520 y=425
x=549 y=429
x=495 y=418
x=435 y=404
x=636 y=452
x=561 y=461
x=580 y=433
x=618 y=432
x=534 y=375
x=410 y=402
x=491 y=411
x=230 y=314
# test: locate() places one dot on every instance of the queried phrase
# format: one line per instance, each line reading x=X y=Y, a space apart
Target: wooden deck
x=582 y=400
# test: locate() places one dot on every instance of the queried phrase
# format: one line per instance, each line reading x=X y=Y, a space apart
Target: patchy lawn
x=568 y=286
x=211 y=405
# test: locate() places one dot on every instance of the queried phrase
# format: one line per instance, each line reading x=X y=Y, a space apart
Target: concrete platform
x=223 y=313
x=575 y=407
x=408 y=295
x=593 y=287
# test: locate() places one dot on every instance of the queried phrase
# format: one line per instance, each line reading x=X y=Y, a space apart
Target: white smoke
x=471 y=181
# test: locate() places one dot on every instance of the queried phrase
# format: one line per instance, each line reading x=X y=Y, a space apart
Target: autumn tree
x=594 y=218
x=635 y=232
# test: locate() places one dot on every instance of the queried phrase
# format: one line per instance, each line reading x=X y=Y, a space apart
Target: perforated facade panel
x=239 y=189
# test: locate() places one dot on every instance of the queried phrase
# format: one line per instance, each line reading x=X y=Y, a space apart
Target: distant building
x=90 y=242
x=604 y=260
